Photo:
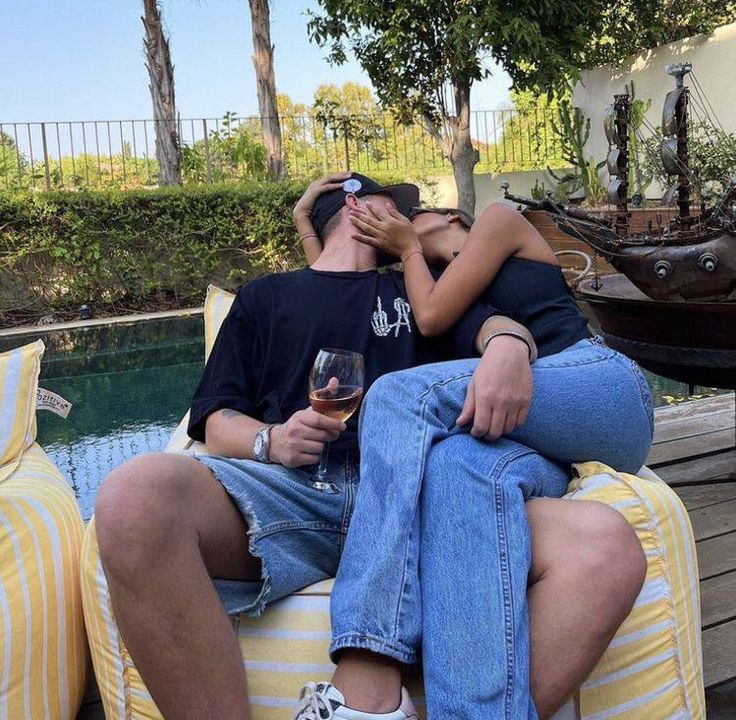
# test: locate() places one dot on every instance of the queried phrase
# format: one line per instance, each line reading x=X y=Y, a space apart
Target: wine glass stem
x=322 y=469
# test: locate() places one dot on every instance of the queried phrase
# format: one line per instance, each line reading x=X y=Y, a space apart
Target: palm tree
x=161 y=76
x=266 y=86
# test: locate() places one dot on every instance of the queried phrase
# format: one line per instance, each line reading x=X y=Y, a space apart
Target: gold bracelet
x=304 y=237
x=513 y=333
x=413 y=252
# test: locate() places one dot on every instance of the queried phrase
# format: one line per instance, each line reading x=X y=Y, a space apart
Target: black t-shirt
x=535 y=294
x=277 y=324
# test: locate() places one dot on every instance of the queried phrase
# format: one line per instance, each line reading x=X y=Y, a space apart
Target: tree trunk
x=161 y=76
x=266 y=86
x=464 y=156
x=457 y=146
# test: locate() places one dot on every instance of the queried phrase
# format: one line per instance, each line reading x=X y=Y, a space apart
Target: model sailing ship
x=672 y=305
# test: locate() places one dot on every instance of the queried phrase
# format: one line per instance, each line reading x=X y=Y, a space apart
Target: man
x=247 y=513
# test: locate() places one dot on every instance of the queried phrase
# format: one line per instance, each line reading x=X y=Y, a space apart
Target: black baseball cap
x=405 y=195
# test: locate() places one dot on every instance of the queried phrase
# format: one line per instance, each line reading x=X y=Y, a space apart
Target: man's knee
x=611 y=559
x=138 y=510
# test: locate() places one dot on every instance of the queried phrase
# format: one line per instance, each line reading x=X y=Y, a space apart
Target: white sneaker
x=323 y=701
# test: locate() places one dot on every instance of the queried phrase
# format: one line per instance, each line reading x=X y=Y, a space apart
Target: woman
x=504 y=261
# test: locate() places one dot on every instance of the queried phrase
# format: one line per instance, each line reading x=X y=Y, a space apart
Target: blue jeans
x=427 y=483
x=296 y=531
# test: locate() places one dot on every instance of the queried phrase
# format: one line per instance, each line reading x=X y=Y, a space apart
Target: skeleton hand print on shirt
x=402 y=311
x=380 y=323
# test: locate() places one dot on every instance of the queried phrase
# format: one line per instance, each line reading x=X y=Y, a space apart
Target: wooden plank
x=719 y=653
x=714 y=520
x=716 y=555
x=718 y=599
x=707 y=419
x=696 y=427
x=673 y=421
x=699 y=496
x=706 y=469
x=698 y=443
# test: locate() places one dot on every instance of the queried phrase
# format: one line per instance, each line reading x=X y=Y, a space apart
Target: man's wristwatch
x=261 y=444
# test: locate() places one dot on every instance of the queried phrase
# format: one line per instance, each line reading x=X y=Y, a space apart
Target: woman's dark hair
x=466 y=218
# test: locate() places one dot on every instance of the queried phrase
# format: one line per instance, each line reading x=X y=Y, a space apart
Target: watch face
x=258 y=446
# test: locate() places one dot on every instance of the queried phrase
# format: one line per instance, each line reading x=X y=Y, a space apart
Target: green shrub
x=712 y=158
x=140 y=249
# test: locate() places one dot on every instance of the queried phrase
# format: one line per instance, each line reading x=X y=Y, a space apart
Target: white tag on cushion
x=47 y=400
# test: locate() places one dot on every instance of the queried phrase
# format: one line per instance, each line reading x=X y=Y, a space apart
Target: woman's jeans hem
x=381 y=646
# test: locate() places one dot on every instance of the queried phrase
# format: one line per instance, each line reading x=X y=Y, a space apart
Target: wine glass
x=335 y=390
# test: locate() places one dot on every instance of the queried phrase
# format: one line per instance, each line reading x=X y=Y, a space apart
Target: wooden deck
x=694 y=450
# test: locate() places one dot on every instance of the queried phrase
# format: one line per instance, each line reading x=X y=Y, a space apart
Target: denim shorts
x=295 y=530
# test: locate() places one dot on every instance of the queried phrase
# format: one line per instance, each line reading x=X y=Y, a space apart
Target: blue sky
x=83 y=59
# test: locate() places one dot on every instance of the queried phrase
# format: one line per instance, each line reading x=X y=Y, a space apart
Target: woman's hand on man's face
x=384 y=228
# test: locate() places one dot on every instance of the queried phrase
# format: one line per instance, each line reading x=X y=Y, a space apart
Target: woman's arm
x=302 y=213
x=497 y=234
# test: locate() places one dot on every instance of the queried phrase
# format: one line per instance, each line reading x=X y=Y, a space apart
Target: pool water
x=130 y=384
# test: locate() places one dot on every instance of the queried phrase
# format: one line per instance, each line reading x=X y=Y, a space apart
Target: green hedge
x=133 y=250
x=142 y=249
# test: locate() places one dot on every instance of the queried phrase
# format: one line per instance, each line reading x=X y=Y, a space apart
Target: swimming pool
x=130 y=384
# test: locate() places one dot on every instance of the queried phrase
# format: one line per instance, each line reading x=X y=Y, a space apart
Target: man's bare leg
x=164 y=526
x=369 y=682
x=587 y=570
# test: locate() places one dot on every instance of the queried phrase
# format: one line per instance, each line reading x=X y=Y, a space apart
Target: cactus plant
x=539 y=191
x=573 y=129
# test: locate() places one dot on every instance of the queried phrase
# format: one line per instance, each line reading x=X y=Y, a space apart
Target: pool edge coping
x=112 y=320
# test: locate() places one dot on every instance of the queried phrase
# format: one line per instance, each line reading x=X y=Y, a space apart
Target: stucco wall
x=441 y=191
x=714 y=64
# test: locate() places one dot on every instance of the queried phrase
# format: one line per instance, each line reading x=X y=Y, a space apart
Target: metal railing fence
x=121 y=153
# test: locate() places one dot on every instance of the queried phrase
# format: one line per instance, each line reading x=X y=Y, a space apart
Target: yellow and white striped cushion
x=284 y=649
x=216 y=307
x=217 y=304
x=19 y=370
x=43 y=653
x=652 y=668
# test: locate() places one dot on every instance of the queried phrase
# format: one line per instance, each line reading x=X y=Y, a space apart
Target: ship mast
x=674 y=148
x=616 y=126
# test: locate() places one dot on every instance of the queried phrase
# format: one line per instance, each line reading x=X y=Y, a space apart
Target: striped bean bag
x=43 y=653
x=19 y=370
x=651 y=670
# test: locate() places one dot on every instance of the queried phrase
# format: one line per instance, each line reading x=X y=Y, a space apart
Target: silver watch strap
x=265 y=434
